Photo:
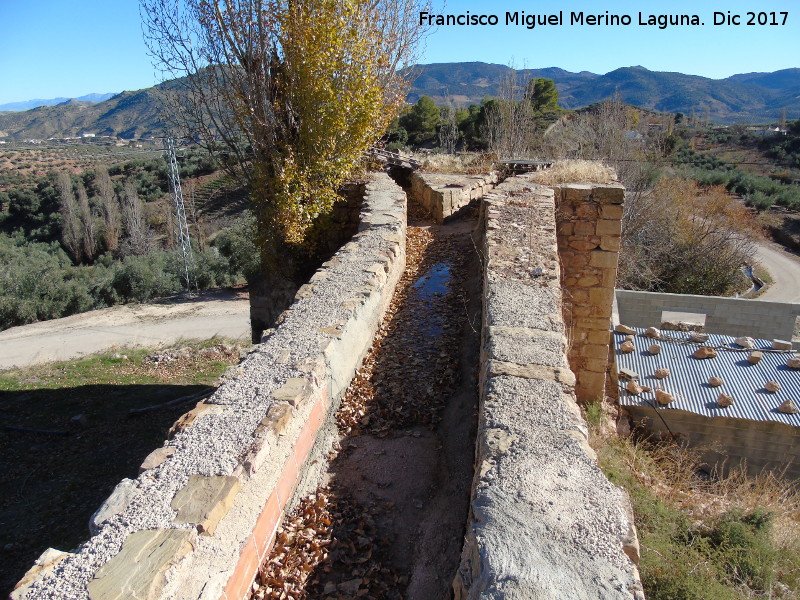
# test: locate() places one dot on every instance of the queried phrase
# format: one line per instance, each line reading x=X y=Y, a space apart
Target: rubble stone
x=661 y=373
x=705 y=352
x=772 y=386
x=715 y=381
x=724 y=400
x=664 y=398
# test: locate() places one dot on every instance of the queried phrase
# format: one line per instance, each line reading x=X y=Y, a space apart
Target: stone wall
x=588 y=220
x=443 y=195
x=201 y=516
x=730 y=316
x=544 y=521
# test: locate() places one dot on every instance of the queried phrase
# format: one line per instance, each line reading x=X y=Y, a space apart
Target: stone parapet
x=589 y=226
x=203 y=513
x=544 y=521
x=443 y=195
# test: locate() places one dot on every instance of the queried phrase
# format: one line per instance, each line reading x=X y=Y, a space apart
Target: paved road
x=221 y=313
x=784 y=268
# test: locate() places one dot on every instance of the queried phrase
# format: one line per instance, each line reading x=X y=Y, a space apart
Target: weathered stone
x=603 y=259
x=653 y=333
x=138 y=571
x=629 y=338
x=697 y=337
x=724 y=400
x=601 y=296
x=781 y=345
x=661 y=373
x=561 y=374
x=755 y=357
x=203 y=501
x=45 y=563
x=715 y=381
x=613 y=212
x=156 y=457
x=294 y=391
x=608 y=227
x=788 y=407
x=664 y=398
x=793 y=363
x=588 y=281
x=187 y=420
x=624 y=329
x=611 y=243
x=745 y=342
x=628 y=374
x=278 y=417
x=627 y=347
x=654 y=349
x=113 y=505
x=705 y=352
x=633 y=388
x=772 y=386
x=584 y=228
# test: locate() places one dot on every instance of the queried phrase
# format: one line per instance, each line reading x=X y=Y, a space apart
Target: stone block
x=612 y=193
x=602 y=259
x=576 y=191
x=565 y=228
x=594 y=383
x=156 y=457
x=599 y=337
x=781 y=345
x=278 y=417
x=294 y=391
x=610 y=243
x=138 y=571
x=596 y=365
x=601 y=296
x=608 y=278
x=203 y=501
x=611 y=211
x=187 y=420
x=582 y=245
x=594 y=351
x=586 y=211
x=113 y=505
x=43 y=565
x=609 y=227
x=584 y=227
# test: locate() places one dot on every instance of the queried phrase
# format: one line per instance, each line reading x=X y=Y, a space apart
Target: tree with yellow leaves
x=288 y=95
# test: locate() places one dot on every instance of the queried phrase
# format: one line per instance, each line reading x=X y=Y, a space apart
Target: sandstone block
x=598 y=337
x=595 y=351
x=612 y=193
x=603 y=259
x=584 y=228
x=601 y=296
x=705 y=352
x=608 y=227
x=44 y=564
x=755 y=357
x=138 y=571
x=156 y=457
x=586 y=211
x=113 y=505
x=581 y=245
x=187 y=420
x=625 y=329
x=611 y=212
x=576 y=191
x=610 y=243
x=781 y=345
x=294 y=391
x=203 y=501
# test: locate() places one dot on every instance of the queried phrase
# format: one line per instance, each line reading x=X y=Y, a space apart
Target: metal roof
x=688 y=378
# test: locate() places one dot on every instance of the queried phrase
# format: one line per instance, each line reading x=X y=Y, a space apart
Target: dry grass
x=466 y=162
x=571 y=171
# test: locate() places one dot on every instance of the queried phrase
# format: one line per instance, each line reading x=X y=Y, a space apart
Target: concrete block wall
x=545 y=522
x=203 y=513
x=445 y=194
x=727 y=442
x=729 y=316
x=588 y=222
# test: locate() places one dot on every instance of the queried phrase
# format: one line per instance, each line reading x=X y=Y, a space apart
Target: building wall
x=729 y=316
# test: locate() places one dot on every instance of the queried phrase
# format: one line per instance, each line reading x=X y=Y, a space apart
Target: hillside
x=29 y=104
x=749 y=97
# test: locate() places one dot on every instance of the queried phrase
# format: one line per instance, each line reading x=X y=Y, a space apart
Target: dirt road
x=784 y=268
x=222 y=313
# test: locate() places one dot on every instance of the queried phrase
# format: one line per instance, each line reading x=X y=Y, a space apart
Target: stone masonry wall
x=202 y=515
x=729 y=316
x=445 y=194
x=588 y=218
x=544 y=523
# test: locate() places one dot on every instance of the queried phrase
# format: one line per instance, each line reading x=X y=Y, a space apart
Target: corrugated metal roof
x=688 y=379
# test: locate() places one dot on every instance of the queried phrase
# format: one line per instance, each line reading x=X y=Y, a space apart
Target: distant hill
x=29 y=104
x=750 y=97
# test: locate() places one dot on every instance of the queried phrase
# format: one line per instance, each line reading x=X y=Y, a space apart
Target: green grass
x=689 y=555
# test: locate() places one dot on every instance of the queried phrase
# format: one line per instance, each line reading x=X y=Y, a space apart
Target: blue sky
x=52 y=48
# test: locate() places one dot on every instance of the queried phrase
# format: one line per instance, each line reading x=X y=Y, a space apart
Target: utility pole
x=182 y=236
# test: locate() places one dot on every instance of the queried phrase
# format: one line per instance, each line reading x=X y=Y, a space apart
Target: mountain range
x=29 y=104
x=749 y=97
